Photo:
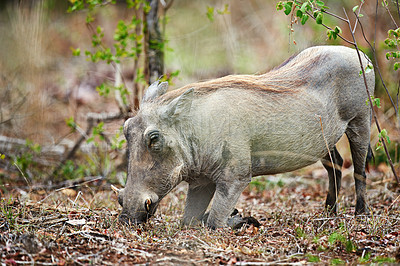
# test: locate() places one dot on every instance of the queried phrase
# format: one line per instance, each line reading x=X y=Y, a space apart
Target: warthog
x=217 y=134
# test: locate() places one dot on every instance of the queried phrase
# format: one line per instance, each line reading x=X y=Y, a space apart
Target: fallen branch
x=14 y=145
x=75 y=183
x=93 y=119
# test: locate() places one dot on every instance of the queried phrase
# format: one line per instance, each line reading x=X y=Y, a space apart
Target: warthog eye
x=154 y=140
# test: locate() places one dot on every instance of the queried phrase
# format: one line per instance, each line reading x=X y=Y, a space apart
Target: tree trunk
x=155 y=44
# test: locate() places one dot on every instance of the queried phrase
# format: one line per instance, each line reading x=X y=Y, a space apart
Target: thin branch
x=167 y=6
x=68 y=184
x=333 y=164
x=370 y=100
x=397 y=96
x=390 y=14
x=376 y=23
x=118 y=74
x=334 y=15
x=398 y=8
x=92 y=120
x=357 y=16
x=329 y=28
x=377 y=67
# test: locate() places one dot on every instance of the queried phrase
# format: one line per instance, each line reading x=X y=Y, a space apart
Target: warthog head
x=155 y=160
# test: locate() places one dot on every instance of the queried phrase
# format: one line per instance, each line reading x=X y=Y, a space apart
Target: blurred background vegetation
x=46 y=92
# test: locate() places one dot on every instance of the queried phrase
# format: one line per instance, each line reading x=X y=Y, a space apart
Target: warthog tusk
x=115 y=189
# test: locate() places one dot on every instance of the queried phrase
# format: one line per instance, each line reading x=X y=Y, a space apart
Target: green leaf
x=333 y=35
x=76 y=52
x=382 y=260
x=350 y=246
x=336 y=237
x=337 y=262
x=71 y=123
x=313 y=258
x=2 y=156
x=210 y=13
x=377 y=102
x=320 y=3
x=288 y=7
x=279 y=6
x=365 y=259
x=224 y=11
x=319 y=18
x=384 y=135
x=338 y=30
x=390 y=43
x=368 y=68
x=396 y=66
x=299 y=13
x=89 y=18
x=303 y=7
x=103 y=90
x=304 y=19
x=355 y=8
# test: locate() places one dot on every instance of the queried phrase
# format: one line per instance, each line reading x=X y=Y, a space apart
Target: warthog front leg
x=335 y=178
x=226 y=196
x=197 y=201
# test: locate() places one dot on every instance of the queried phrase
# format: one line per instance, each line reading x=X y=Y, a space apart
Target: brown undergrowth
x=80 y=226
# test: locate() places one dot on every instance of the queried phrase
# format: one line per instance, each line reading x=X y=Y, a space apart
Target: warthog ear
x=155 y=90
x=181 y=105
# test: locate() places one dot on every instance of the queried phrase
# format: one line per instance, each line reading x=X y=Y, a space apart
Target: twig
x=276 y=262
x=329 y=28
x=330 y=157
x=92 y=119
x=390 y=14
x=72 y=186
x=393 y=202
x=397 y=96
x=26 y=180
x=333 y=15
x=398 y=8
x=377 y=66
x=369 y=98
x=118 y=75
x=357 y=15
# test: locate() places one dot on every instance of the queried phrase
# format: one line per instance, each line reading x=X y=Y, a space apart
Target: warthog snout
x=138 y=215
x=137 y=209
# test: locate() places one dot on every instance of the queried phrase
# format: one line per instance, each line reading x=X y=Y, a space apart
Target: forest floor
x=78 y=224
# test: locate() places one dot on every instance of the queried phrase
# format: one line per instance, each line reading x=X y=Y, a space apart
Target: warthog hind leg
x=358 y=134
x=335 y=178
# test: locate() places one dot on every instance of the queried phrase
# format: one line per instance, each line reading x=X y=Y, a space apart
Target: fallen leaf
x=69 y=192
x=76 y=222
